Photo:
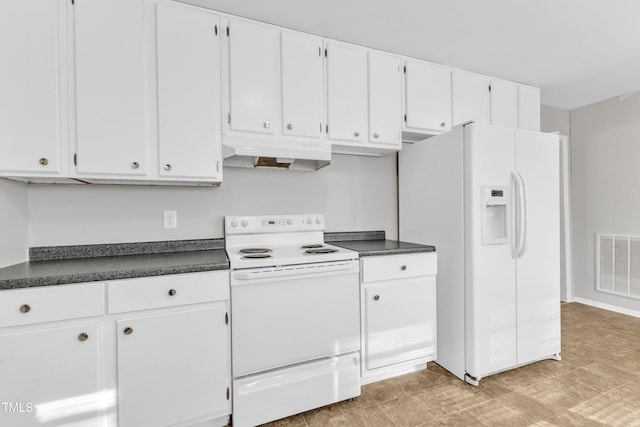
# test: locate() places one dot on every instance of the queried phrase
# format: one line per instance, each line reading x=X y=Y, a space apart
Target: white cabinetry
x=188 y=93
x=364 y=100
x=504 y=106
x=399 y=314
x=111 y=109
x=51 y=343
x=471 y=98
x=33 y=107
x=173 y=358
x=528 y=108
x=427 y=104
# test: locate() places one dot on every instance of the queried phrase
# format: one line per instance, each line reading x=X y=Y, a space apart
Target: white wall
x=605 y=161
x=13 y=222
x=554 y=119
x=354 y=192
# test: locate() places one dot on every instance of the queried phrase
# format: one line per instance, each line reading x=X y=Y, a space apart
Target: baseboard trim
x=615 y=308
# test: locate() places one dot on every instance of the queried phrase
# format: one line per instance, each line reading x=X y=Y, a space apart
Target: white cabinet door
x=173 y=367
x=385 y=99
x=53 y=375
x=33 y=127
x=528 y=108
x=504 y=105
x=346 y=92
x=400 y=321
x=111 y=87
x=253 y=77
x=302 y=85
x=188 y=70
x=470 y=93
x=428 y=96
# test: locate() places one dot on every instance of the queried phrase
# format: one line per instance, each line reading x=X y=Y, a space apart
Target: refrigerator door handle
x=522 y=196
x=515 y=220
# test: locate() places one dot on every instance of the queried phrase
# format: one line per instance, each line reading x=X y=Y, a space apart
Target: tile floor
x=597 y=383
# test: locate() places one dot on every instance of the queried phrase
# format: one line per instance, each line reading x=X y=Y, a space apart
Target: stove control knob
x=318 y=221
x=309 y=221
x=289 y=221
x=234 y=223
x=244 y=223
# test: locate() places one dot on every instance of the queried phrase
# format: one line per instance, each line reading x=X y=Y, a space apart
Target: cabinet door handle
x=135 y=165
x=44 y=161
x=266 y=125
x=356 y=133
x=443 y=124
x=172 y=292
x=167 y=167
x=376 y=135
x=290 y=126
x=376 y=297
x=128 y=331
x=403 y=268
x=83 y=337
x=25 y=308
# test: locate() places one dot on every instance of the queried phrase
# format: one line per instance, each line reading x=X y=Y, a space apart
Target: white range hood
x=247 y=152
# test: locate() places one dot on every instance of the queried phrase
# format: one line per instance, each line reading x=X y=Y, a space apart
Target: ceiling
x=578 y=51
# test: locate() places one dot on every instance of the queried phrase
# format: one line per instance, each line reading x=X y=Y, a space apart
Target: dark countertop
x=101 y=268
x=374 y=243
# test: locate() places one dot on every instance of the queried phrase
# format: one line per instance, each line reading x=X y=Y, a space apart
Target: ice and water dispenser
x=495 y=205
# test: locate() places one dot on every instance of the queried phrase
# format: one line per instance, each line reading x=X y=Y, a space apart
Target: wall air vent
x=618 y=264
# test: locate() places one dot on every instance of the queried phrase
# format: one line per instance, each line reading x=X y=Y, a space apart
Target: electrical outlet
x=170 y=219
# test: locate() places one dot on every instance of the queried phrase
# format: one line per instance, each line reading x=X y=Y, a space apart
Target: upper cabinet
x=188 y=93
x=33 y=103
x=471 y=98
x=364 y=99
x=110 y=88
x=504 y=106
x=302 y=94
x=346 y=92
x=427 y=104
x=528 y=108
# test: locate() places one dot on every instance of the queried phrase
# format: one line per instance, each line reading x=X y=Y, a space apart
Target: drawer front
x=167 y=291
x=391 y=267
x=48 y=304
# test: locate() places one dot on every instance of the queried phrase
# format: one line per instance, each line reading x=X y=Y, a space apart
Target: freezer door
x=490 y=292
x=538 y=264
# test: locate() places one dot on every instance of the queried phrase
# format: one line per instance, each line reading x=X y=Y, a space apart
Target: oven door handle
x=295 y=270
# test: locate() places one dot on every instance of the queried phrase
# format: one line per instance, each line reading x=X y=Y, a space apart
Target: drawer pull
x=172 y=292
x=25 y=308
x=403 y=268
x=44 y=161
x=128 y=330
x=83 y=337
x=376 y=297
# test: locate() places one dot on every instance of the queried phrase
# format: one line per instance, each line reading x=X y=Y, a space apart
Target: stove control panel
x=273 y=224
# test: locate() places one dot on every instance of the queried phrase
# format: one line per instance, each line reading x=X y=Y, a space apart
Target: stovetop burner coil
x=320 y=251
x=314 y=246
x=254 y=251
x=256 y=256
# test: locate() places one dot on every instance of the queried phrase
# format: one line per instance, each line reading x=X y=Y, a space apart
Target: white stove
x=295 y=317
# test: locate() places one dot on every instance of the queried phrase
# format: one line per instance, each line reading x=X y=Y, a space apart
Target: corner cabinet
x=51 y=351
x=398 y=295
x=173 y=352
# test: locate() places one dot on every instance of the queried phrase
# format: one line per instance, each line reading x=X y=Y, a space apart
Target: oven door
x=287 y=315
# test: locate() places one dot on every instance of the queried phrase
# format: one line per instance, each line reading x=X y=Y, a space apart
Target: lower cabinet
x=172 y=349
x=398 y=314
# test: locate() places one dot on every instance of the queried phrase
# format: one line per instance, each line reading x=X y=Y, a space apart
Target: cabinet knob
x=83 y=337
x=128 y=331
x=135 y=165
x=289 y=126
x=266 y=125
x=403 y=268
x=356 y=133
x=172 y=292
x=375 y=135
x=376 y=297
x=167 y=167
x=25 y=308
x=443 y=124
x=44 y=161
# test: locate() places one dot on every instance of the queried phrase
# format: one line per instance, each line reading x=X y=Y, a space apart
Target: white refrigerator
x=488 y=198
